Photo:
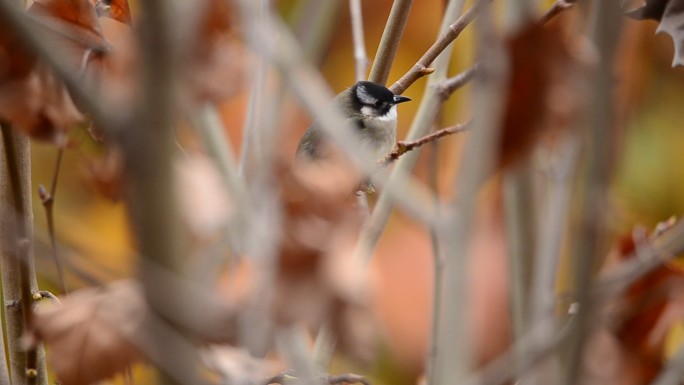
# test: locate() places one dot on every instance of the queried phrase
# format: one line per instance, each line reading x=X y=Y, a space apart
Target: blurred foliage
x=649 y=186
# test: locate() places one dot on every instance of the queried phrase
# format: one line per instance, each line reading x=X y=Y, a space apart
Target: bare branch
x=450 y=85
x=360 y=57
x=403 y=147
x=394 y=29
x=422 y=67
x=556 y=9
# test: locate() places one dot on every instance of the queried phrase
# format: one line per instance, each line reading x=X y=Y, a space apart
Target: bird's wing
x=309 y=145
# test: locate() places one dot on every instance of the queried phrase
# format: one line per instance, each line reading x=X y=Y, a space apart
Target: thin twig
x=46 y=294
x=287 y=377
x=48 y=200
x=402 y=147
x=389 y=42
x=422 y=67
x=556 y=9
x=454 y=358
x=450 y=85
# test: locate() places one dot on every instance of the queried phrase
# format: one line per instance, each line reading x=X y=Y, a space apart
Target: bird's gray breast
x=380 y=133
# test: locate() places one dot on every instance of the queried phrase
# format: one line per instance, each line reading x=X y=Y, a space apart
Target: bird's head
x=376 y=100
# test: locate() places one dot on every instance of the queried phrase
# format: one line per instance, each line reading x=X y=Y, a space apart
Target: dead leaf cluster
x=632 y=342
x=318 y=280
x=542 y=93
x=105 y=54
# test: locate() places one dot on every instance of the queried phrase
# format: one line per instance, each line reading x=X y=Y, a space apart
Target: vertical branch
x=148 y=146
x=389 y=42
x=520 y=214
x=589 y=244
x=552 y=226
x=360 y=57
x=453 y=359
x=314 y=24
x=438 y=267
x=18 y=273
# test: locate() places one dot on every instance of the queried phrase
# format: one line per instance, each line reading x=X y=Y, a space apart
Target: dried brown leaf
x=640 y=319
x=318 y=280
x=539 y=94
x=77 y=18
x=90 y=335
x=114 y=9
x=39 y=105
x=670 y=16
x=218 y=56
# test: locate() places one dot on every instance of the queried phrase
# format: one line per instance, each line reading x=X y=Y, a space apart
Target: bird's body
x=371 y=109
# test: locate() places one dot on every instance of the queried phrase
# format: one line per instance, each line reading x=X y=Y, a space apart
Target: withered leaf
x=319 y=280
x=648 y=308
x=115 y=9
x=670 y=16
x=540 y=69
x=78 y=18
x=31 y=96
x=218 y=57
x=39 y=105
x=90 y=335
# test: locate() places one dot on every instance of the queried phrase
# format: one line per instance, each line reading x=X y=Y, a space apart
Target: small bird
x=372 y=110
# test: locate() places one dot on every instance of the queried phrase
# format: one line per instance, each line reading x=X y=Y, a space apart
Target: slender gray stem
x=148 y=146
x=478 y=160
x=590 y=244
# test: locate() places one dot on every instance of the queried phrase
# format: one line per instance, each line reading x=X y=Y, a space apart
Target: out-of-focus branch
x=148 y=145
x=360 y=57
x=453 y=358
x=590 y=242
x=391 y=36
x=16 y=247
x=556 y=9
x=422 y=67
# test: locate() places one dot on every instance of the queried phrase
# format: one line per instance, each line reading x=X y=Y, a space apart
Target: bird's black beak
x=400 y=99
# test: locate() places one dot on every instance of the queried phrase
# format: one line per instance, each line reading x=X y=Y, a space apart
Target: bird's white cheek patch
x=391 y=115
